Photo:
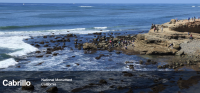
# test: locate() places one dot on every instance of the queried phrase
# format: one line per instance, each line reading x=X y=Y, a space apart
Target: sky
x=100 y=1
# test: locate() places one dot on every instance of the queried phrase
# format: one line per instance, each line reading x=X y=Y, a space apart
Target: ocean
x=20 y=21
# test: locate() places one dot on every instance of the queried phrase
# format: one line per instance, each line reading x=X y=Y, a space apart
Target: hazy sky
x=101 y=1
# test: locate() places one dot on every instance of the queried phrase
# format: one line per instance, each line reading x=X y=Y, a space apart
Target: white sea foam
x=8 y=62
x=49 y=32
x=85 y=6
x=16 y=43
x=193 y=6
x=100 y=27
x=198 y=6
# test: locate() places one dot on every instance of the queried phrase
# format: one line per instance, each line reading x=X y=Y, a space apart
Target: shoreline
x=50 y=45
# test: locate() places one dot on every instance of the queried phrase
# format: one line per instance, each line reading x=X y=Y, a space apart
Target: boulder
x=37 y=45
x=42 y=42
x=31 y=87
x=37 y=52
x=89 y=46
x=69 y=35
x=118 y=52
x=128 y=74
x=103 y=82
x=52 y=90
x=44 y=36
x=173 y=21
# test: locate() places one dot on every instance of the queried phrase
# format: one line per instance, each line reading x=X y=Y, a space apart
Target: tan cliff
x=173 y=32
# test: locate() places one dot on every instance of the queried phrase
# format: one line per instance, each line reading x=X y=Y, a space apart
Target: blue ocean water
x=19 y=21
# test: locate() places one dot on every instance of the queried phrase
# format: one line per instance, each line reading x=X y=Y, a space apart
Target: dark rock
x=43 y=86
x=117 y=52
x=31 y=87
x=67 y=65
x=55 y=54
x=69 y=35
x=109 y=50
x=37 y=45
x=112 y=86
x=154 y=62
x=77 y=64
x=97 y=57
x=141 y=62
x=46 y=45
x=37 y=52
x=119 y=87
x=111 y=79
x=41 y=42
x=39 y=56
x=148 y=60
x=102 y=82
x=128 y=74
x=97 y=33
x=52 y=89
x=131 y=67
x=73 y=56
x=130 y=91
x=44 y=36
x=159 y=67
x=85 y=52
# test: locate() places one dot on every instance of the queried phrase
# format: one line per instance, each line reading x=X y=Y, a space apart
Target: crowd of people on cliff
x=193 y=18
x=155 y=28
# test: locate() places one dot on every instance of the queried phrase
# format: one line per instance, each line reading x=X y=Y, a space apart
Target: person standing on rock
x=191 y=36
x=171 y=45
x=110 y=43
x=154 y=28
x=132 y=44
x=194 y=18
x=188 y=19
x=119 y=42
x=157 y=28
x=125 y=47
x=161 y=28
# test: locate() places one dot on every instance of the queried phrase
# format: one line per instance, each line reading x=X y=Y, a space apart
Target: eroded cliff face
x=187 y=27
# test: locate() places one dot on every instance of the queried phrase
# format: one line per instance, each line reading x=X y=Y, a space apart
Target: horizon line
x=101 y=3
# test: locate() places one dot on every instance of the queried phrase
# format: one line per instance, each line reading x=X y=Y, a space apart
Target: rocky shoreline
x=184 y=53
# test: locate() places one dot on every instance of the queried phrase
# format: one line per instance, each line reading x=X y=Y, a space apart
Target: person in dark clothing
x=157 y=28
